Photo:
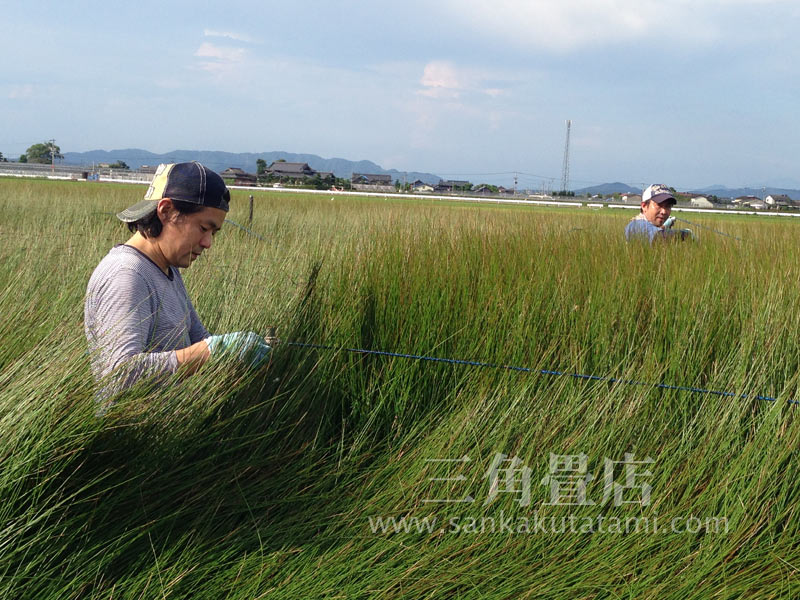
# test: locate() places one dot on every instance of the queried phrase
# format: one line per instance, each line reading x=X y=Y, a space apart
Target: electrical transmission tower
x=565 y=167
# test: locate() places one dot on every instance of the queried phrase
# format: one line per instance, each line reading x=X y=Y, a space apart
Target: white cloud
x=21 y=92
x=239 y=37
x=445 y=80
x=448 y=93
x=563 y=25
x=441 y=80
x=223 y=62
x=220 y=53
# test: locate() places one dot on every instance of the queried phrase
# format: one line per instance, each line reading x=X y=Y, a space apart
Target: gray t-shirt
x=135 y=318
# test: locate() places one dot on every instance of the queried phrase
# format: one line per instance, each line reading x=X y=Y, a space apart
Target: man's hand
x=247 y=346
x=669 y=222
x=271 y=337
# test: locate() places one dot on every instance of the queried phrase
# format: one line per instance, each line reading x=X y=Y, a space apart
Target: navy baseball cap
x=187 y=182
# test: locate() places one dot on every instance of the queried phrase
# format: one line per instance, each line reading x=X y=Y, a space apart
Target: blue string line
x=473 y=363
x=245 y=229
x=709 y=228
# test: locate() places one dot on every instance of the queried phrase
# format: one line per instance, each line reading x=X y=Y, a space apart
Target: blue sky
x=686 y=92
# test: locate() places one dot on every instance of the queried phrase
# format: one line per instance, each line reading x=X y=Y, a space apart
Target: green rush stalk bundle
x=336 y=475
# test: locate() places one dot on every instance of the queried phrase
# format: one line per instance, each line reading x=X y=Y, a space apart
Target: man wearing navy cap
x=138 y=318
x=654 y=221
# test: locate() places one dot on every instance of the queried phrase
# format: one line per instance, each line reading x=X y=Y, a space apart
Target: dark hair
x=151 y=226
x=641 y=210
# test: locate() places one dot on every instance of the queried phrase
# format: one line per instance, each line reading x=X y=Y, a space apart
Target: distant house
x=779 y=201
x=236 y=176
x=745 y=200
x=632 y=198
x=484 y=190
x=757 y=204
x=370 y=182
x=290 y=170
x=371 y=179
x=701 y=202
x=421 y=187
x=452 y=185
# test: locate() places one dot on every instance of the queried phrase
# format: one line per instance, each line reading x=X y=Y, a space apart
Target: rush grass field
x=333 y=474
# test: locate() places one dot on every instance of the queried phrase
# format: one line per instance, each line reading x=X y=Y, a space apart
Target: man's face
x=657 y=213
x=185 y=237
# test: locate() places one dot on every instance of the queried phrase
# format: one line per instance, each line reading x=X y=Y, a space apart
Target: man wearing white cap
x=654 y=222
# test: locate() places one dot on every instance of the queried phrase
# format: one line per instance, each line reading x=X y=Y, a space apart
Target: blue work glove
x=669 y=222
x=247 y=346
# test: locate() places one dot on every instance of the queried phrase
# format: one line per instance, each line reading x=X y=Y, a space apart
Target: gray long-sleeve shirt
x=135 y=318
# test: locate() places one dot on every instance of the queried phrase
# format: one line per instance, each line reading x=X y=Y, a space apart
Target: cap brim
x=659 y=198
x=138 y=211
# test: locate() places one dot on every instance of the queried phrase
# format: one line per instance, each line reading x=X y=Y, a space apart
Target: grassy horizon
x=300 y=480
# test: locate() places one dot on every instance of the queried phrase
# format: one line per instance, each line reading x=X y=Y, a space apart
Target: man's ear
x=166 y=210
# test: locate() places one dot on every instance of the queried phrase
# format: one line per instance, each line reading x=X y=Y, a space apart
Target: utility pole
x=565 y=166
x=515 y=184
x=52 y=156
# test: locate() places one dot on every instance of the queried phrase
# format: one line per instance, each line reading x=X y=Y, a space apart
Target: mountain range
x=720 y=191
x=341 y=167
x=608 y=188
x=760 y=192
x=219 y=161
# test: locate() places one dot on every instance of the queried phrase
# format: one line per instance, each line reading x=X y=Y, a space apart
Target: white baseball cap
x=658 y=193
